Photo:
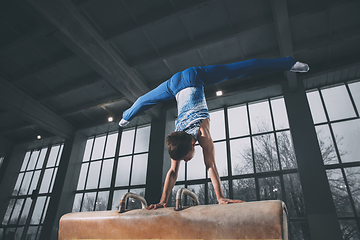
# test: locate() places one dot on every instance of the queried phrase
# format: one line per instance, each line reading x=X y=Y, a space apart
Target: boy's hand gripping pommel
x=155 y=206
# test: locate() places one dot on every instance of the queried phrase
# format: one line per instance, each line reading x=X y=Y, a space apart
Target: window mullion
x=114 y=171
x=35 y=195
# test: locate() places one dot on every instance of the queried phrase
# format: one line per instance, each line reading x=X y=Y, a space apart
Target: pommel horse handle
x=131 y=195
x=179 y=194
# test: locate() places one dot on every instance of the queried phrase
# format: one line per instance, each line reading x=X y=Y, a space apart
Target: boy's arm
x=207 y=145
x=169 y=183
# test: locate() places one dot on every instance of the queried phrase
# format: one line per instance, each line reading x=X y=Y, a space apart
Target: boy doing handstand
x=193 y=122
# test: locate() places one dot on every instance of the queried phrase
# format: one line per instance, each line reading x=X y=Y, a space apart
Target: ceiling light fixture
x=38 y=137
x=218 y=93
x=110 y=119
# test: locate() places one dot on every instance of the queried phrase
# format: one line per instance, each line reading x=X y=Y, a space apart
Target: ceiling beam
x=244 y=29
x=78 y=84
x=283 y=32
x=160 y=18
x=19 y=127
x=203 y=42
x=100 y=104
x=46 y=67
x=17 y=101
x=80 y=36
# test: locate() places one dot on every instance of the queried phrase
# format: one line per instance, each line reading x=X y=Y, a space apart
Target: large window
x=335 y=112
x=113 y=164
x=255 y=159
x=28 y=204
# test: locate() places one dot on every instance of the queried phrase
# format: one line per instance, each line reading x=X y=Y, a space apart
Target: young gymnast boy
x=193 y=122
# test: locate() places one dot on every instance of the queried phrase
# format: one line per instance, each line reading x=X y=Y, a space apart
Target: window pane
x=142 y=139
x=16 y=211
x=116 y=199
x=17 y=185
x=123 y=172
x=217 y=125
x=59 y=155
x=10 y=233
x=8 y=211
x=106 y=173
x=53 y=180
x=45 y=209
x=339 y=192
x=53 y=156
x=25 y=162
x=41 y=158
x=338 y=103
x=270 y=188
x=286 y=150
x=34 y=181
x=93 y=178
x=241 y=156
x=316 y=107
x=347 y=136
x=260 y=117
x=299 y=230
x=31 y=233
x=88 y=147
x=19 y=232
x=77 y=202
x=353 y=179
x=25 y=211
x=39 y=206
x=326 y=144
x=294 y=196
x=138 y=175
x=221 y=158
x=199 y=191
x=127 y=142
x=265 y=153
x=238 y=121
x=88 y=202
x=279 y=113
x=355 y=92
x=102 y=201
x=25 y=184
x=33 y=159
x=181 y=173
x=349 y=229
x=212 y=199
x=46 y=181
x=196 y=167
x=111 y=145
x=135 y=204
x=81 y=182
x=98 y=148
x=244 y=189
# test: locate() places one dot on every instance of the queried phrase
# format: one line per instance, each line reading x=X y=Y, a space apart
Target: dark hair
x=178 y=144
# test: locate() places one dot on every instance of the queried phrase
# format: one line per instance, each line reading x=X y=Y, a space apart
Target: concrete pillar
x=62 y=196
x=153 y=189
x=319 y=205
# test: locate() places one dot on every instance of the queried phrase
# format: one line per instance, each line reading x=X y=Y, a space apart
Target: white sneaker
x=123 y=123
x=300 y=67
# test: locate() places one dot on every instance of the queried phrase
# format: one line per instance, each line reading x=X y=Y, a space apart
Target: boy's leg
x=145 y=102
x=218 y=73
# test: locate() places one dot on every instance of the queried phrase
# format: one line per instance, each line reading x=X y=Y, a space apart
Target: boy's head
x=181 y=146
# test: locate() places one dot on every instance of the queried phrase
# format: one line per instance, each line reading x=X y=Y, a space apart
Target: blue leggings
x=204 y=76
